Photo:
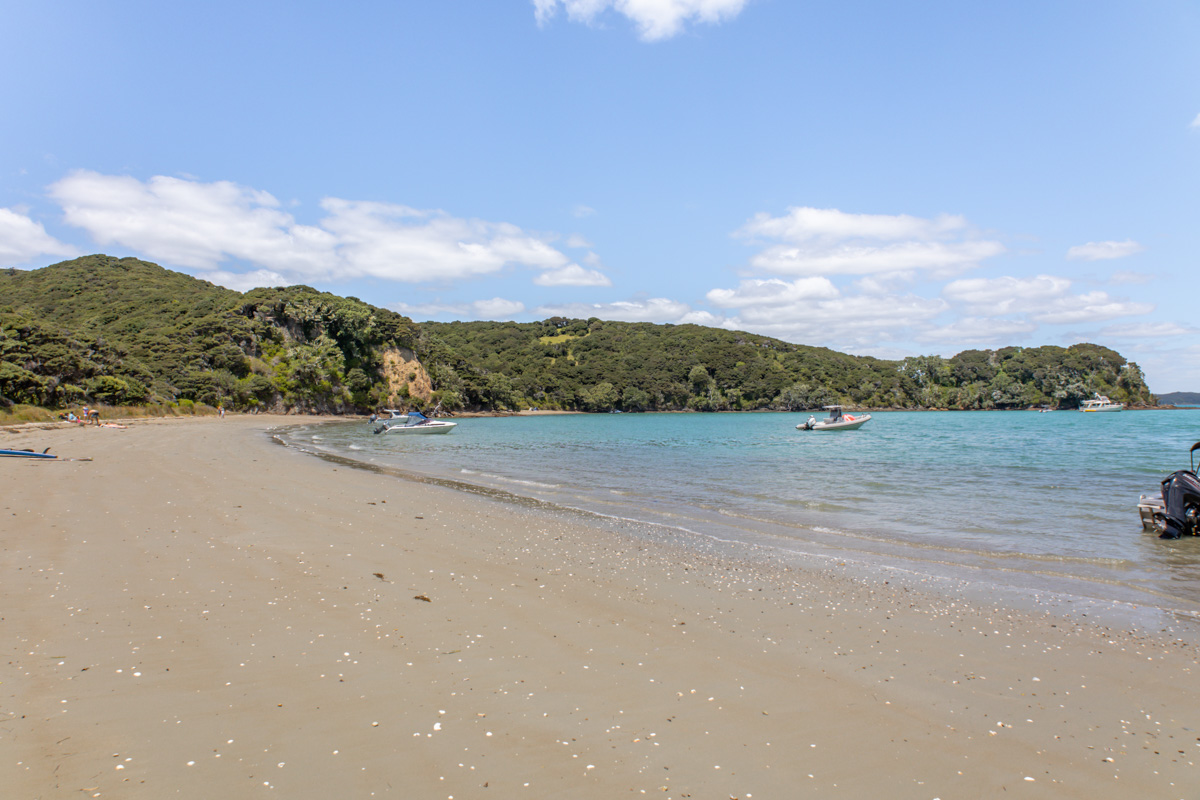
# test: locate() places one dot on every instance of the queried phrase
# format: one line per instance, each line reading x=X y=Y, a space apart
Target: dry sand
x=201 y=613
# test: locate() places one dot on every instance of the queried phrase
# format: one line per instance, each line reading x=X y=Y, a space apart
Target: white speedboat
x=414 y=422
x=836 y=421
x=1100 y=403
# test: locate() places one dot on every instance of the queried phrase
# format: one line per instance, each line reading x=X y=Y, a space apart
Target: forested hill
x=595 y=365
x=126 y=332
x=1180 y=398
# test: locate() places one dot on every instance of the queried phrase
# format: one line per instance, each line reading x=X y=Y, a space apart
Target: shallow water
x=1019 y=500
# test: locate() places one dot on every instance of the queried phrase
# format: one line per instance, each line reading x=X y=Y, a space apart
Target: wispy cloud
x=657 y=309
x=977 y=332
x=1043 y=299
x=1098 y=251
x=572 y=275
x=205 y=226
x=655 y=19
x=844 y=322
x=826 y=241
x=22 y=240
x=1125 y=276
x=1150 y=330
x=498 y=307
x=994 y=297
x=774 y=292
x=495 y=308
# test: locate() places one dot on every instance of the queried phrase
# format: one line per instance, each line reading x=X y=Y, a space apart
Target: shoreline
x=199 y=594
x=986 y=576
x=302 y=417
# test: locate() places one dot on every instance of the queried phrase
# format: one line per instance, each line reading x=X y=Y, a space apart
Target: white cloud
x=497 y=307
x=1196 y=122
x=773 y=292
x=803 y=224
x=187 y=223
x=424 y=311
x=822 y=241
x=884 y=283
x=1044 y=298
x=1006 y=295
x=1090 y=307
x=583 y=211
x=22 y=239
x=402 y=244
x=572 y=275
x=1149 y=330
x=1097 y=251
x=245 y=281
x=700 y=318
x=1125 y=276
x=658 y=309
x=978 y=331
x=577 y=241
x=850 y=260
x=843 y=322
x=191 y=224
x=655 y=19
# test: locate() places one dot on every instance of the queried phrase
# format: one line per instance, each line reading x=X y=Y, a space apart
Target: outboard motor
x=1181 y=501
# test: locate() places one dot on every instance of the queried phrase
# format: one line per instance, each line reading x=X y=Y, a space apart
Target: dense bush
x=125 y=332
x=592 y=365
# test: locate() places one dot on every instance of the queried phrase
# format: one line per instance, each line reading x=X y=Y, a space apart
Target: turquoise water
x=1020 y=500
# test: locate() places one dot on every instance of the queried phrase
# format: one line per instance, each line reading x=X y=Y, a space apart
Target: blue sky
x=880 y=178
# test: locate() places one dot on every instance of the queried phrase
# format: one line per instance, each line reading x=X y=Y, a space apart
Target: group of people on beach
x=89 y=416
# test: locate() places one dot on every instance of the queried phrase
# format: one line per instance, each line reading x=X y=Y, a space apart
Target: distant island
x=1180 y=399
x=125 y=332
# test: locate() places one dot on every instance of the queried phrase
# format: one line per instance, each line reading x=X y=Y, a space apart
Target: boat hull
x=421 y=430
x=843 y=425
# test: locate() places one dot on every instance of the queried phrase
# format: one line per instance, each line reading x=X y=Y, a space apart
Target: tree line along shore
x=121 y=332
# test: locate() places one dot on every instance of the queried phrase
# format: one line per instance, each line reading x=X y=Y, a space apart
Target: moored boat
x=836 y=421
x=414 y=422
x=1100 y=403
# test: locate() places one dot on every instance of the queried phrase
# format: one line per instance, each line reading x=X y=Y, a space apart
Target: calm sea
x=1020 y=502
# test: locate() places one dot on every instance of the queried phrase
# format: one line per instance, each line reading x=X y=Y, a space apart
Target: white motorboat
x=836 y=421
x=1100 y=403
x=414 y=422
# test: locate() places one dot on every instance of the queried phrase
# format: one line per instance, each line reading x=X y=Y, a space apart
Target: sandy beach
x=199 y=612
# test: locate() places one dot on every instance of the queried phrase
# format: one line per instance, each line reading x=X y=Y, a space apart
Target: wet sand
x=199 y=613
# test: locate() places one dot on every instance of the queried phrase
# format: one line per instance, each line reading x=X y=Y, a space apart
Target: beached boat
x=414 y=422
x=836 y=421
x=1100 y=403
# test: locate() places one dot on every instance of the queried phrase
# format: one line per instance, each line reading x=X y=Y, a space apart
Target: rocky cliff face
x=405 y=377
